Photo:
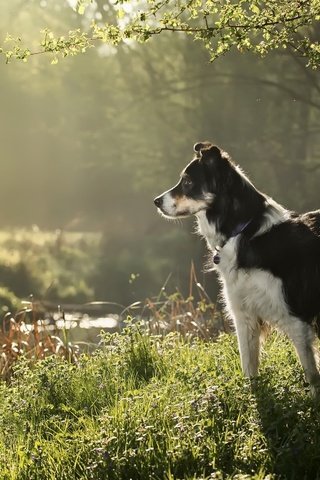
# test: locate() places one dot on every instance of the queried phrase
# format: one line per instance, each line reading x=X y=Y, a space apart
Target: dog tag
x=216 y=258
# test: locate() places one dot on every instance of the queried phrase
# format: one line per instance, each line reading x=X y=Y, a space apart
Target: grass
x=30 y=334
x=160 y=400
x=153 y=407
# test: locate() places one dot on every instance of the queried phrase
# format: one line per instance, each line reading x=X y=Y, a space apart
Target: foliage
x=257 y=26
x=8 y=301
x=72 y=268
x=162 y=408
x=51 y=266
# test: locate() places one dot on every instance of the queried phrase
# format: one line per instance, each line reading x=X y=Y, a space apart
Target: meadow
x=159 y=407
x=161 y=398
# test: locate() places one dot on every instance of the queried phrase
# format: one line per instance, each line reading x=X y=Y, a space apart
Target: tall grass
x=152 y=407
x=192 y=315
x=28 y=333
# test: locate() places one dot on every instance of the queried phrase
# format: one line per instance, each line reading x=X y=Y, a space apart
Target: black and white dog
x=267 y=257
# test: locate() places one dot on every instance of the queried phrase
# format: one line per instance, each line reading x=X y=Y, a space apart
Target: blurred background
x=86 y=145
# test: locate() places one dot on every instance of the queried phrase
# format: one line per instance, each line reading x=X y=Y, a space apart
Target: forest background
x=87 y=144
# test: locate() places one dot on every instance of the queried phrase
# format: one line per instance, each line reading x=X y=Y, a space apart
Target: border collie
x=267 y=258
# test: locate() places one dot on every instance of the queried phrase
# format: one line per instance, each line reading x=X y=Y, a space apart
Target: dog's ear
x=207 y=151
x=198 y=147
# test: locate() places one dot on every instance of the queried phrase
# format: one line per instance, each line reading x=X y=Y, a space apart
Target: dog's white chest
x=255 y=293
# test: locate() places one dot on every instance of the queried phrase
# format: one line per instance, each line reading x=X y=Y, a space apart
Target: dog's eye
x=187 y=182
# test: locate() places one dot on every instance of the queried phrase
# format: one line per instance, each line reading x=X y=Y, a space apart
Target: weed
x=194 y=315
x=26 y=334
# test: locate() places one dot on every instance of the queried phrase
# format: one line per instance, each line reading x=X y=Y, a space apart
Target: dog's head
x=200 y=182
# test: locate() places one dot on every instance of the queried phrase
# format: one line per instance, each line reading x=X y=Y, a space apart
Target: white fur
x=168 y=204
x=208 y=231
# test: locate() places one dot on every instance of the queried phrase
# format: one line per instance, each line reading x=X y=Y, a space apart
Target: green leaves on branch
x=257 y=26
x=12 y=48
x=76 y=42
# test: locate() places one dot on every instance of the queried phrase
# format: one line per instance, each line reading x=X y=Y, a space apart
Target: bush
x=9 y=302
x=55 y=266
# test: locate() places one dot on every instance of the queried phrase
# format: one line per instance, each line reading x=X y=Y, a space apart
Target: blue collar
x=239 y=228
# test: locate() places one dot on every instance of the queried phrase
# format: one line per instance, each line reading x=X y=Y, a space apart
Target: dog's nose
x=158 y=201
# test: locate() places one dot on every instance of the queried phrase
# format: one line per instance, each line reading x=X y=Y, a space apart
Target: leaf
x=81 y=6
x=81 y=9
x=121 y=13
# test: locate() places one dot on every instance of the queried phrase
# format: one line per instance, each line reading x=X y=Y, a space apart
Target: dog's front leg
x=248 y=333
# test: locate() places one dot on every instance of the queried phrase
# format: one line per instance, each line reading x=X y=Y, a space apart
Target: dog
x=267 y=257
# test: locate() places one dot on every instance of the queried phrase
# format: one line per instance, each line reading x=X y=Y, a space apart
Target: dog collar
x=239 y=229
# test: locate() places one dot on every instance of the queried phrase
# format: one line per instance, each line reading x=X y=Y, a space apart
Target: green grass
x=166 y=408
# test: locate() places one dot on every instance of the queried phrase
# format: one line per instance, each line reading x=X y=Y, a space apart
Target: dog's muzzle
x=158 y=201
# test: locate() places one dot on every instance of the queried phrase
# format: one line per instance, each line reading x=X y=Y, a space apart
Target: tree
x=89 y=144
x=256 y=25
